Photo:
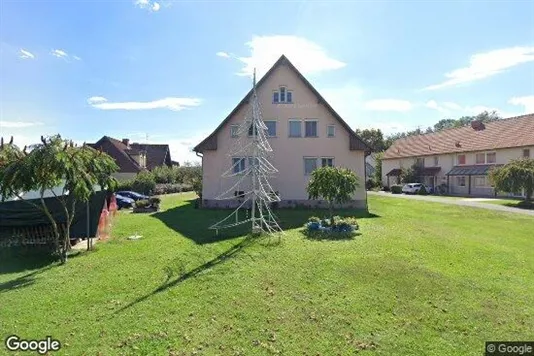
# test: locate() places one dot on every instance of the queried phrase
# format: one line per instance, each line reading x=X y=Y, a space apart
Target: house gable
x=211 y=142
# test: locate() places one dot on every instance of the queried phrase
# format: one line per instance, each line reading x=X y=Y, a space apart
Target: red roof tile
x=512 y=132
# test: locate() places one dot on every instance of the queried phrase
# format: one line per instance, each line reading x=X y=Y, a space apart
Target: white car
x=413 y=188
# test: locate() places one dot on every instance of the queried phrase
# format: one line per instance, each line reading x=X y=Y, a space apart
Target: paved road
x=445 y=200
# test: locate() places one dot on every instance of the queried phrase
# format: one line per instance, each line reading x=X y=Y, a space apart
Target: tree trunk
x=331 y=211
x=57 y=243
x=528 y=195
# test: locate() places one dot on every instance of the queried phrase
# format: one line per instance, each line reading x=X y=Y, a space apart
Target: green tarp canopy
x=17 y=214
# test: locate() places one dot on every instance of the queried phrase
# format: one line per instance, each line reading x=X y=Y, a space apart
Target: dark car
x=124 y=202
x=133 y=195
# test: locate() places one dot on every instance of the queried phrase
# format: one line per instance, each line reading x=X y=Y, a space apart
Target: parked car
x=413 y=188
x=124 y=202
x=133 y=195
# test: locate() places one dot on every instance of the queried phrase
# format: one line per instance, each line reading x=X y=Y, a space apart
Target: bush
x=172 y=188
x=125 y=185
x=386 y=188
x=370 y=184
x=422 y=191
x=144 y=183
x=154 y=201
x=396 y=189
x=142 y=203
x=325 y=228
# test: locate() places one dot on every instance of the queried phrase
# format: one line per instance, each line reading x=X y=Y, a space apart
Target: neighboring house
x=460 y=158
x=133 y=157
x=305 y=133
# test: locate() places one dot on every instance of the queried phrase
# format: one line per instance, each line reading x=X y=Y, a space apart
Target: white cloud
x=148 y=5
x=18 y=124
x=388 y=105
x=26 y=54
x=483 y=65
x=174 y=104
x=77 y=58
x=96 y=99
x=345 y=100
x=526 y=101
x=59 y=53
x=306 y=55
x=454 y=110
x=223 y=54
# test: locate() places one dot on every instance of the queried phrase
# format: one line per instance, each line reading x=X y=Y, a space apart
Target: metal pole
x=88 y=227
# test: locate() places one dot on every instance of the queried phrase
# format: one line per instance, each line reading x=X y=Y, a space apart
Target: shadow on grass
x=31 y=257
x=521 y=205
x=183 y=275
x=194 y=223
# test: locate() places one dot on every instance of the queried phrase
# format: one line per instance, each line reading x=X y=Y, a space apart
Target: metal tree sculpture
x=251 y=145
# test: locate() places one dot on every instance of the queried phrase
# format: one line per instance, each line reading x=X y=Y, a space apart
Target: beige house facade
x=304 y=132
x=463 y=157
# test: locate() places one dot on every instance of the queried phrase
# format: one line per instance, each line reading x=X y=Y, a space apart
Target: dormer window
x=282 y=95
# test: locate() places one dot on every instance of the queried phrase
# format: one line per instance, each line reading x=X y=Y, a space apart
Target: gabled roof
x=210 y=142
x=156 y=155
x=516 y=131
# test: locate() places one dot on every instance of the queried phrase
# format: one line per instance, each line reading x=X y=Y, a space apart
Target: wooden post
x=469 y=189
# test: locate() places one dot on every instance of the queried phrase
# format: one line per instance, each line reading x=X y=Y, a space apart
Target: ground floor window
x=460 y=181
x=311 y=163
x=482 y=182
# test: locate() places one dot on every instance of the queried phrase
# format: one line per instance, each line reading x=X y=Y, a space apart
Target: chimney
x=477 y=125
x=126 y=141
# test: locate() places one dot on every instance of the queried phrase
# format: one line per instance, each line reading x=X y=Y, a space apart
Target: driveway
x=453 y=201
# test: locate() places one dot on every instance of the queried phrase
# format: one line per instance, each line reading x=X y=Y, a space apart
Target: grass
x=422 y=278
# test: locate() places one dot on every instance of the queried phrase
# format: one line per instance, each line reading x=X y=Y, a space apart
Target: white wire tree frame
x=251 y=168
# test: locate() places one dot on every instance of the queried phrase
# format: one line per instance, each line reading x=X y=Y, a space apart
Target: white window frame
x=436 y=161
x=526 y=150
x=244 y=160
x=458 y=181
x=286 y=100
x=333 y=129
x=321 y=161
x=304 y=164
x=489 y=153
x=232 y=127
x=289 y=127
x=316 y=128
x=486 y=182
x=478 y=154
x=458 y=159
x=275 y=127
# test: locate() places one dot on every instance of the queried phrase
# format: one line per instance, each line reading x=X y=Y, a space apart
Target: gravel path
x=445 y=200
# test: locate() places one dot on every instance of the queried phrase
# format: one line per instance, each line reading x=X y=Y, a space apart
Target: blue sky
x=174 y=70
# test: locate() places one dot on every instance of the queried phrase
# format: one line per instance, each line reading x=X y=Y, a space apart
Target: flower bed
x=326 y=228
x=147 y=206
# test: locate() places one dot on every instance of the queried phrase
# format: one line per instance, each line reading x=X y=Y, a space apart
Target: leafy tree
x=373 y=137
x=334 y=184
x=144 y=183
x=378 y=168
x=514 y=177
x=413 y=174
x=55 y=162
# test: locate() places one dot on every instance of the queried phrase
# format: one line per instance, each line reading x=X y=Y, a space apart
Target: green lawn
x=422 y=279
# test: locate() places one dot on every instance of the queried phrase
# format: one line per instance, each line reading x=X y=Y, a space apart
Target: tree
x=55 y=162
x=373 y=138
x=413 y=174
x=334 y=184
x=514 y=177
x=378 y=168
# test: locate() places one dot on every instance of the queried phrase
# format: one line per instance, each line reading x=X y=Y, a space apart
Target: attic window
x=282 y=95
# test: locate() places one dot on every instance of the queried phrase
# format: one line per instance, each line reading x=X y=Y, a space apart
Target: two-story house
x=304 y=132
x=460 y=159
